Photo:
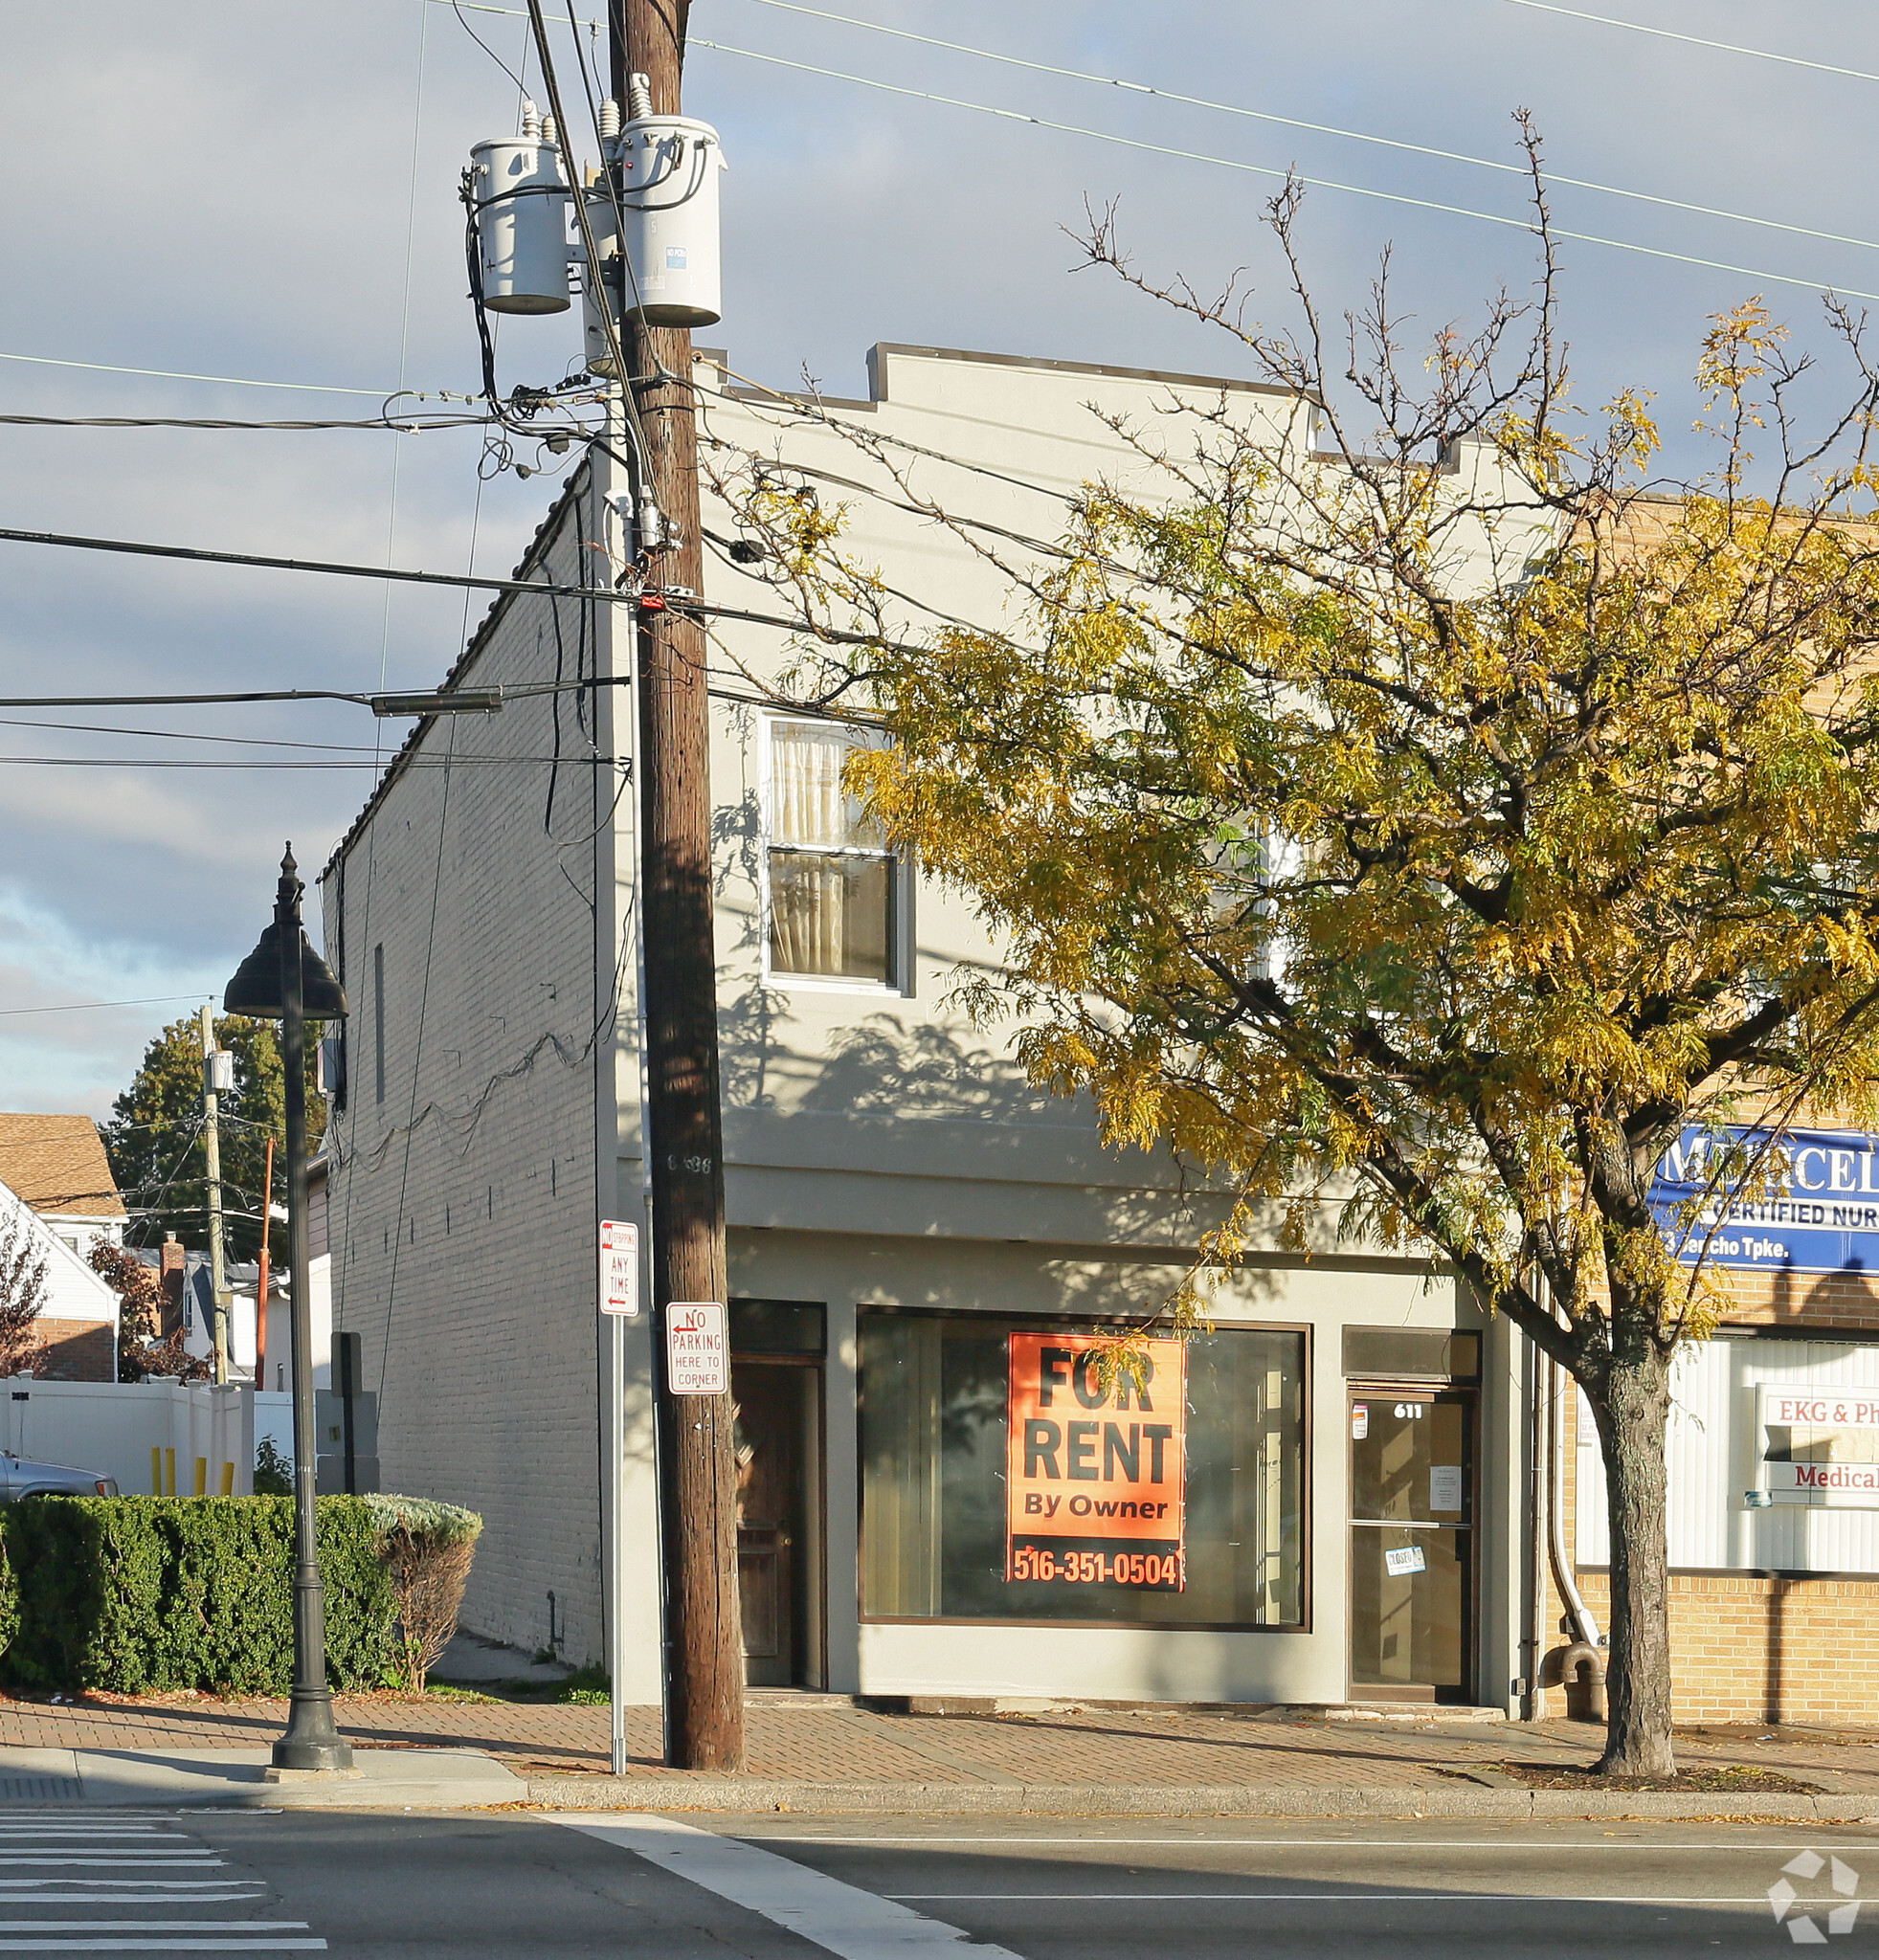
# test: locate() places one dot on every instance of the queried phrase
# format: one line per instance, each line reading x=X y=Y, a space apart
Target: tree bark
x=1631 y=1406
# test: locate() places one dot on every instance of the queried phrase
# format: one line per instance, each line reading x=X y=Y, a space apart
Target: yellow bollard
x=202 y=1477
x=228 y=1479
x=156 y=1470
x=170 y=1473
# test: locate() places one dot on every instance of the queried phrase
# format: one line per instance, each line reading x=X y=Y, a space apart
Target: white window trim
x=900 y=951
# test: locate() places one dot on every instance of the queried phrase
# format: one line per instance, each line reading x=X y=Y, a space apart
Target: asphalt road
x=412 y=1886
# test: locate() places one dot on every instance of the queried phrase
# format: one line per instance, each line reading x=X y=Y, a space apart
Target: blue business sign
x=1816 y=1208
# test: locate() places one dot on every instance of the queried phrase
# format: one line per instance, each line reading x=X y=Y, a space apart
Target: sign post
x=619 y=1302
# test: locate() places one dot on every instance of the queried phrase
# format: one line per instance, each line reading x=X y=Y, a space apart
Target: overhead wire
x=74 y=1006
x=1192 y=156
x=1664 y=33
x=1424 y=150
x=704 y=608
x=1294 y=176
x=222 y=380
x=398 y=426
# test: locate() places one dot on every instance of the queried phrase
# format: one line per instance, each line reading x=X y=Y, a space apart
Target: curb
x=754 y=1796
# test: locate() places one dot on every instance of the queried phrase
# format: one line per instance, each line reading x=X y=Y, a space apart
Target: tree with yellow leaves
x=1444 y=820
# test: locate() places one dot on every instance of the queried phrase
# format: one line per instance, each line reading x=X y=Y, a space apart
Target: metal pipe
x=1583 y=1624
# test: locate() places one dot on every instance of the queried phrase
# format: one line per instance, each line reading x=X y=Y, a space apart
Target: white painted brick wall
x=462 y=1202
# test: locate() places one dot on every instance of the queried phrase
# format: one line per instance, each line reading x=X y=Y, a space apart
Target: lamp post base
x=312 y=1742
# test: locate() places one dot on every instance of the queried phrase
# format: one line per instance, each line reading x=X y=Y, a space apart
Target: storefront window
x=1161 y=1503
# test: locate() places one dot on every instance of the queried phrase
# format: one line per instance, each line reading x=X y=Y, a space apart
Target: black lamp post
x=285 y=979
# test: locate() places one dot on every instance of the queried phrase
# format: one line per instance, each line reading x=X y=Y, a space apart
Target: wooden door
x=769 y=1490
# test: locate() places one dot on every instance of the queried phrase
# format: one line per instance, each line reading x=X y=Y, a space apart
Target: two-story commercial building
x=1326 y=1496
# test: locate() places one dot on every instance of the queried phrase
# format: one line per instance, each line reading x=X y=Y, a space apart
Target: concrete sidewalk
x=825 y=1753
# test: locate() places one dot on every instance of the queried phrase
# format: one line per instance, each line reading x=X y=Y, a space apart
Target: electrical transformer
x=668 y=169
x=520 y=192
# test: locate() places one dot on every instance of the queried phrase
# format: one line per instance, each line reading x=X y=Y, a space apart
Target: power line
x=1290 y=176
x=651 y=600
x=169 y=762
x=1420 y=149
x=1664 y=33
x=74 y=1006
x=1265 y=170
x=230 y=380
x=398 y=426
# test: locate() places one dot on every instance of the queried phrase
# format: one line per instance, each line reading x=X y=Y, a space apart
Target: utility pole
x=704 y=1656
x=212 y=1150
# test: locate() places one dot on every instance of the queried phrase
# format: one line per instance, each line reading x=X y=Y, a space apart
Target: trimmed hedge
x=148 y=1594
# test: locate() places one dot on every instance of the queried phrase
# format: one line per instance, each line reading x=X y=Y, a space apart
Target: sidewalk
x=825 y=1755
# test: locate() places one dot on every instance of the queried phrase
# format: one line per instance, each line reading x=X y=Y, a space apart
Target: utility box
x=346 y=1442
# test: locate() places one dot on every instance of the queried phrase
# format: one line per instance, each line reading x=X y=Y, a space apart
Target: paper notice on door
x=1403 y=1559
x=1359 y=1421
x=1446 y=1487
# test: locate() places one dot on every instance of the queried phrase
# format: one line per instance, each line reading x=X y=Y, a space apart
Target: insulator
x=531 y=120
x=610 y=119
x=638 y=96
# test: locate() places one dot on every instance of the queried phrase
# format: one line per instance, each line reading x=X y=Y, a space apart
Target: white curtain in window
x=808 y=804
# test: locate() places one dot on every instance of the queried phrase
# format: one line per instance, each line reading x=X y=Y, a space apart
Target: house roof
x=58 y=1163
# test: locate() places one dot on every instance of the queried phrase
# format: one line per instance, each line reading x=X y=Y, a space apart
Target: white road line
x=153 y=1926
x=842 y=1919
x=1364 y=1898
x=138 y=1885
x=137 y=1860
x=175 y=1946
x=1568 y=1847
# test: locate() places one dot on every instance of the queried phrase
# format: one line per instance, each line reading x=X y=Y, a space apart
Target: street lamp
x=285 y=979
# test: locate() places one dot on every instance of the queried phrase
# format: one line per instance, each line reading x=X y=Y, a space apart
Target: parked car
x=19 y=1479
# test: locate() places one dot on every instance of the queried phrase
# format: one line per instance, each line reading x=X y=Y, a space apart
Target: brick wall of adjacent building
x=462 y=1204
x=77 y=1351
x=1745 y=1648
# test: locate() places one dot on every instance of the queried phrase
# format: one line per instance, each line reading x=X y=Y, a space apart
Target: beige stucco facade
x=880 y=1151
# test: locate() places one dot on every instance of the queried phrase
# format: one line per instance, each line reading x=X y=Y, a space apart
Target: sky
x=268 y=194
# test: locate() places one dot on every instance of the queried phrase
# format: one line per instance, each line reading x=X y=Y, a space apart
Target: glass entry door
x=1412 y=1551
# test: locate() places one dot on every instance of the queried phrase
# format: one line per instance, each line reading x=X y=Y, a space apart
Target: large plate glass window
x=937 y=1538
x=834 y=883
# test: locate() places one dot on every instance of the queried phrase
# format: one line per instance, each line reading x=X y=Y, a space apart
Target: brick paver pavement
x=840 y=1744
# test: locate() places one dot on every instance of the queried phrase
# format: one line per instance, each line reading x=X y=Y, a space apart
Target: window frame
x=899 y=981
x=1044 y=1321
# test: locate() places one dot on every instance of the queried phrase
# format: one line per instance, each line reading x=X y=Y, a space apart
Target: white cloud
x=227 y=189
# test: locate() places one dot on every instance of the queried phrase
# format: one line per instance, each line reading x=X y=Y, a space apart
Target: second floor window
x=834 y=896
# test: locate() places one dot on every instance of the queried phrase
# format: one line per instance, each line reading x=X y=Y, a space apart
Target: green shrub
x=426 y=1547
x=147 y=1594
x=274 y=1473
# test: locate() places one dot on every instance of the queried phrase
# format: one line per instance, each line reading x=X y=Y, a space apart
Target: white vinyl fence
x=155 y=1438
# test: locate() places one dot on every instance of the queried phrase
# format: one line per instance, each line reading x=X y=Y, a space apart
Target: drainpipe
x=1584 y=1626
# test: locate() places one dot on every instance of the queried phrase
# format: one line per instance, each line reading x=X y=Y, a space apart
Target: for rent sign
x=1096 y=1476
x=1814 y=1207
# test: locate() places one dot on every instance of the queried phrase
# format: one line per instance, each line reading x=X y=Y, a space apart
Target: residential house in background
x=919 y=1241
x=58 y=1192
x=57 y=1165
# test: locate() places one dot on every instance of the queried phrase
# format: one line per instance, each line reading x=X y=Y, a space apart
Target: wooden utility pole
x=704 y=1658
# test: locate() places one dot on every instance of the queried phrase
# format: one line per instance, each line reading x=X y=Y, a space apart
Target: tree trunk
x=1632 y=1408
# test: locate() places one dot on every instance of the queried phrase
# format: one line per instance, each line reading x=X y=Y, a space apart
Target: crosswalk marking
x=843 y=1919
x=175 y=1946
x=152 y=1925
x=101 y=1865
